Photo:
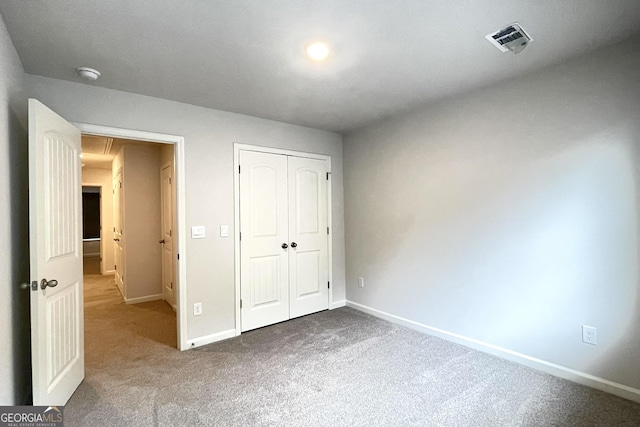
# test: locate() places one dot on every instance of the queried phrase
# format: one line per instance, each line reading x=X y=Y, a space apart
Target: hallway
x=107 y=318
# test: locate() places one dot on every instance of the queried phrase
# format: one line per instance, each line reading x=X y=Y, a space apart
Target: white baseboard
x=208 y=339
x=520 y=358
x=109 y=272
x=143 y=299
x=338 y=304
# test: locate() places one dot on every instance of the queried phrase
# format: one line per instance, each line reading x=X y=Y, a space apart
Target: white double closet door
x=284 y=266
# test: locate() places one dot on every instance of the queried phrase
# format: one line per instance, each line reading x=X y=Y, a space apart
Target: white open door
x=57 y=317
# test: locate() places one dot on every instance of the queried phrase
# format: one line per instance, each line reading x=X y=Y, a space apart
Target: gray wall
x=509 y=215
x=15 y=349
x=209 y=137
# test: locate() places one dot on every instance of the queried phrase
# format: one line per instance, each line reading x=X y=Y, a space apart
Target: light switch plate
x=197 y=232
x=224 y=231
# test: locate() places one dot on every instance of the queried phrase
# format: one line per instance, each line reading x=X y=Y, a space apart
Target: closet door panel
x=308 y=220
x=264 y=263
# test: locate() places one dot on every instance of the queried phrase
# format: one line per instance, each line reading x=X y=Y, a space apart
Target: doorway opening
x=134 y=277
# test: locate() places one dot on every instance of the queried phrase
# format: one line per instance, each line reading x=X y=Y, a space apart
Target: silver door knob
x=50 y=283
x=24 y=286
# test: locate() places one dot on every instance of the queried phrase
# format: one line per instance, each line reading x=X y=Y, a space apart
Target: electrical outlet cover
x=197 y=309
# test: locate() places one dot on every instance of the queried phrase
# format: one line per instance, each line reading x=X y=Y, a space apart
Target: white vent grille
x=512 y=38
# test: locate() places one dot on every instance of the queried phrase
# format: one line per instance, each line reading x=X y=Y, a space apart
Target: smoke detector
x=512 y=38
x=88 y=73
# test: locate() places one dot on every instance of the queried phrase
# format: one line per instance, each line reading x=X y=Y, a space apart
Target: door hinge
x=327 y=230
x=238 y=168
x=328 y=285
x=171 y=285
x=169 y=181
x=178 y=257
x=115 y=266
x=240 y=235
x=120 y=185
x=114 y=229
x=327 y=176
x=170 y=231
x=240 y=303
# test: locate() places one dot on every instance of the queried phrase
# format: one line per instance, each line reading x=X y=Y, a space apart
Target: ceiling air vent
x=512 y=38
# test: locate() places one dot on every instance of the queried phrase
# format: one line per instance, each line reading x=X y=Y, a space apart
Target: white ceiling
x=247 y=56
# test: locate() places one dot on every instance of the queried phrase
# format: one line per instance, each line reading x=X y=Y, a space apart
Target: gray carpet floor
x=334 y=368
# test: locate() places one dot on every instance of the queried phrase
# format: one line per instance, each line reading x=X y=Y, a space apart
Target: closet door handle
x=285 y=246
x=294 y=245
x=162 y=241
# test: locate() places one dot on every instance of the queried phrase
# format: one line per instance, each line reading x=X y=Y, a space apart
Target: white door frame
x=237 y=147
x=179 y=176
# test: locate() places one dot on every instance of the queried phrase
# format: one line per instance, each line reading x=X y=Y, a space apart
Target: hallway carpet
x=334 y=368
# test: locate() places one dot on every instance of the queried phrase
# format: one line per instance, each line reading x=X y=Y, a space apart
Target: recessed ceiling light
x=318 y=51
x=88 y=73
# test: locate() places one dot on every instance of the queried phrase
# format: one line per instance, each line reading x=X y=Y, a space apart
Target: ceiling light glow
x=318 y=51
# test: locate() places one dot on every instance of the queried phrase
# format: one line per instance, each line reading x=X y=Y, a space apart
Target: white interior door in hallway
x=284 y=263
x=118 y=235
x=166 y=202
